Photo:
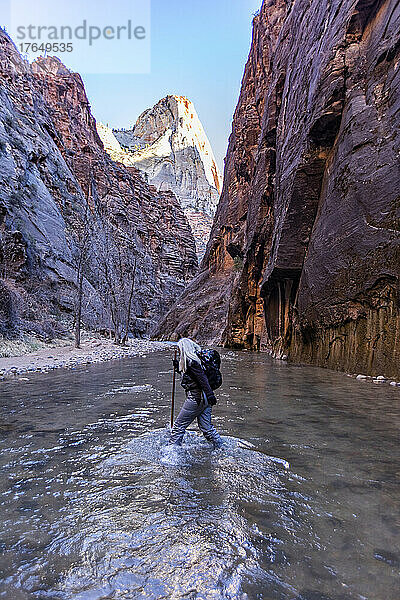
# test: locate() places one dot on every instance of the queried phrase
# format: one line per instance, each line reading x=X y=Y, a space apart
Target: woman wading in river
x=199 y=396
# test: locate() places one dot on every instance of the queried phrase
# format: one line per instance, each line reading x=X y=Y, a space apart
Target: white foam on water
x=244 y=443
x=130 y=389
x=231 y=356
x=153 y=447
x=171 y=455
x=280 y=461
x=183 y=500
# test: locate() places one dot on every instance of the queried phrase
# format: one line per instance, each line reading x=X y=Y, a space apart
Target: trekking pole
x=173 y=392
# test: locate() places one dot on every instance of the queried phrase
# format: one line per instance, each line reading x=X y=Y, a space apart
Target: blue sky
x=198 y=49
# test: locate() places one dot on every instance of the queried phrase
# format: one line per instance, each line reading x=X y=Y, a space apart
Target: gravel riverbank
x=95 y=350
x=92 y=351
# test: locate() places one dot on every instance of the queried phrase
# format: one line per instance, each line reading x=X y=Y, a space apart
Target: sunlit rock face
x=304 y=253
x=169 y=144
x=56 y=178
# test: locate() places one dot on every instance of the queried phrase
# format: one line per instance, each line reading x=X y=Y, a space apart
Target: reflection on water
x=303 y=502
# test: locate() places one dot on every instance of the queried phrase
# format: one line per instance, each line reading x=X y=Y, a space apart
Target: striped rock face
x=169 y=144
x=65 y=204
x=304 y=254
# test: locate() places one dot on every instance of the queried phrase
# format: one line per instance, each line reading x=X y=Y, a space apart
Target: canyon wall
x=304 y=254
x=168 y=143
x=67 y=208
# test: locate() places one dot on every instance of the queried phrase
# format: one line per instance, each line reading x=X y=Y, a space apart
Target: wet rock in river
x=388 y=557
x=312 y=595
x=5 y=427
x=27 y=505
x=316 y=595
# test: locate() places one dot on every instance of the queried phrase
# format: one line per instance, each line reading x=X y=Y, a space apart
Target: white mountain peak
x=169 y=144
x=191 y=133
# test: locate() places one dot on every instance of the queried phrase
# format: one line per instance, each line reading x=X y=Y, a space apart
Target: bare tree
x=78 y=303
x=83 y=246
x=113 y=256
x=117 y=260
x=129 y=307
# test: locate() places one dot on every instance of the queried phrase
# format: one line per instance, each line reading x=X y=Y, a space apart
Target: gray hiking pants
x=189 y=411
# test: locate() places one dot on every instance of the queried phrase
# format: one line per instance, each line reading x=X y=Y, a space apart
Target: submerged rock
x=388 y=557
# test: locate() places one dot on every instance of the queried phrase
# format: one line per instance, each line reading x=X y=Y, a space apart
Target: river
x=303 y=502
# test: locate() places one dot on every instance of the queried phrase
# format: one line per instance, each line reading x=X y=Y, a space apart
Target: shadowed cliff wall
x=304 y=255
x=61 y=191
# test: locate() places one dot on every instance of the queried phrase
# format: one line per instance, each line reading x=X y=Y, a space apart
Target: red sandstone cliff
x=56 y=179
x=304 y=254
